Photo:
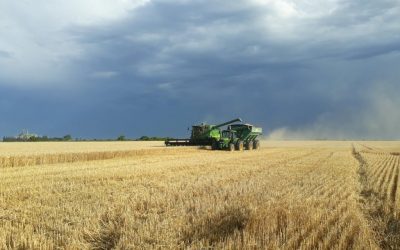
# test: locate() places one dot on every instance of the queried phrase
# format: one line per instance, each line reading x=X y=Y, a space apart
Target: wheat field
x=287 y=195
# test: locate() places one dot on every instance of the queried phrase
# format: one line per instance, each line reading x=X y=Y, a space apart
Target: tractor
x=238 y=137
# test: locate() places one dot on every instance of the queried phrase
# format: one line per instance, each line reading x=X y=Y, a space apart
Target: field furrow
x=385 y=188
x=382 y=177
x=392 y=187
x=378 y=169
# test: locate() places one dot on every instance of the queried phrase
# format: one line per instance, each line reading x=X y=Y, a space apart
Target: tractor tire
x=231 y=147
x=256 y=144
x=239 y=146
x=214 y=145
x=249 y=145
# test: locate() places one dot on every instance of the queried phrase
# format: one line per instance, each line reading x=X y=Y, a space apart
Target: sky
x=300 y=69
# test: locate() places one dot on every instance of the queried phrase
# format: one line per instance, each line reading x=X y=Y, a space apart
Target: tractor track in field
x=378 y=197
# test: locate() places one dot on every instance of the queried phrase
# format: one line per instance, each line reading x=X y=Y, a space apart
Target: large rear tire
x=239 y=146
x=214 y=145
x=231 y=147
x=249 y=145
x=256 y=144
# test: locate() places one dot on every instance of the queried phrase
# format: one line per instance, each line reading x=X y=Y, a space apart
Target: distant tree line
x=143 y=138
x=124 y=138
x=37 y=139
x=147 y=138
x=69 y=138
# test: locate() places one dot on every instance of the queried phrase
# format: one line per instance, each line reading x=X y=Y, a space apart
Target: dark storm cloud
x=297 y=68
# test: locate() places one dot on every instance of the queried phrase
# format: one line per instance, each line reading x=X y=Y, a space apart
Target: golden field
x=132 y=195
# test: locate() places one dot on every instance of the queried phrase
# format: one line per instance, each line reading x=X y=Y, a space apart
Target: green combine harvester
x=236 y=136
x=202 y=135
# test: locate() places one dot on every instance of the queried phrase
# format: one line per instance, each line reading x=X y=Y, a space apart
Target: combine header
x=236 y=136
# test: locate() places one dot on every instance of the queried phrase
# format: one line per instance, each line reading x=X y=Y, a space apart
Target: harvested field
x=287 y=195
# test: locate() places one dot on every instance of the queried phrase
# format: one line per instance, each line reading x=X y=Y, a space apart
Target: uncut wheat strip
x=38 y=148
x=19 y=161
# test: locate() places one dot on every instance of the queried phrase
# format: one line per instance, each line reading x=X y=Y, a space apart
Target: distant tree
x=121 y=138
x=67 y=138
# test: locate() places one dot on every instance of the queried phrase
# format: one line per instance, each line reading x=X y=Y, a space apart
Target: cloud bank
x=309 y=69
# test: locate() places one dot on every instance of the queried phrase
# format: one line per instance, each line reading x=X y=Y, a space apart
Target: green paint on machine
x=239 y=137
x=236 y=137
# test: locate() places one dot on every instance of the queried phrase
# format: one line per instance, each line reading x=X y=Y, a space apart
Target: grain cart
x=238 y=136
x=202 y=135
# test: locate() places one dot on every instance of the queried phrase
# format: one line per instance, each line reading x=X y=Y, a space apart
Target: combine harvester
x=236 y=136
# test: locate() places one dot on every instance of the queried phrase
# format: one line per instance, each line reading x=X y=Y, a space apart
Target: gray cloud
x=5 y=54
x=311 y=68
x=379 y=119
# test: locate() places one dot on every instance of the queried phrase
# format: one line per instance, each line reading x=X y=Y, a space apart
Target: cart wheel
x=214 y=145
x=239 y=146
x=256 y=144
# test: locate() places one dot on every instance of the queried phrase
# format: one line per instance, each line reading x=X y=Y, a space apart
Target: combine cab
x=202 y=135
x=238 y=137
